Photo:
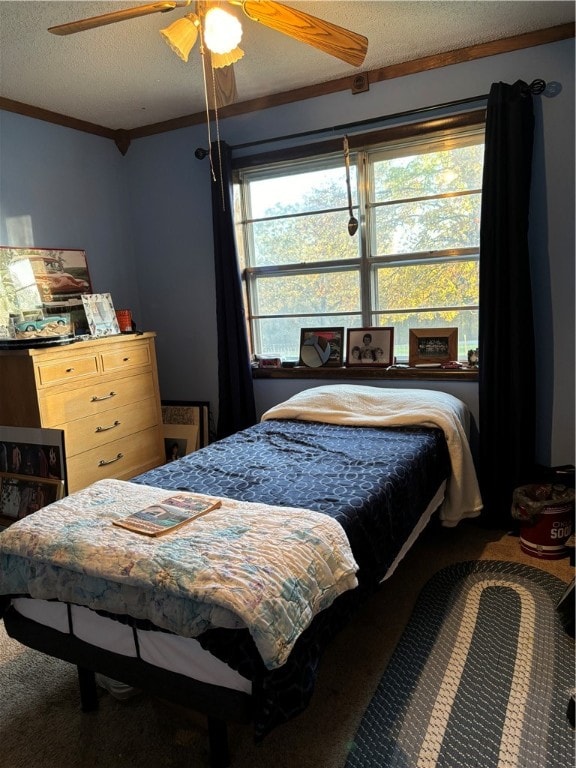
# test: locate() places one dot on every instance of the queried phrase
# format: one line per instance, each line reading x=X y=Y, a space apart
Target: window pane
x=307 y=294
x=414 y=263
x=417 y=286
x=428 y=225
x=428 y=173
x=314 y=190
x=305 y=239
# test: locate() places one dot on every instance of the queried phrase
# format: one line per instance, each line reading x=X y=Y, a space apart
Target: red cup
x=124 y=317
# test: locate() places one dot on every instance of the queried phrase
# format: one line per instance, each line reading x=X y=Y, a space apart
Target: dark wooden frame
x=384 y=335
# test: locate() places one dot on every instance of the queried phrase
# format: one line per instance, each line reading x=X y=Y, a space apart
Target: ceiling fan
x=330 y=38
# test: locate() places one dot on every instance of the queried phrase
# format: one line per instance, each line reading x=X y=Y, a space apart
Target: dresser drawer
x=126 y=357
x=62 y=406
x=100 y=429
x=66 y=369
x=121 y=459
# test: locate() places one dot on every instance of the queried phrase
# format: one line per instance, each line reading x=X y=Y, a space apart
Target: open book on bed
x=167 y=515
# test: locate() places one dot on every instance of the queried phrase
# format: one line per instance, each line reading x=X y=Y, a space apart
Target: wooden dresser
x=102 y=392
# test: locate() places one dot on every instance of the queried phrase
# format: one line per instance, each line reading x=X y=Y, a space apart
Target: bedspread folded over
x=269 y=569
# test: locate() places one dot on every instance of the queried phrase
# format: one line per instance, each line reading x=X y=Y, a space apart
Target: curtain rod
x=536 y=87
x=361 y=123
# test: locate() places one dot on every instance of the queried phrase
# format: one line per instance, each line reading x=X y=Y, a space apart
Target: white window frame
x=367 y=263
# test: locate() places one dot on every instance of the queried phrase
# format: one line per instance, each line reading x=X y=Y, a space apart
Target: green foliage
x=421 y=204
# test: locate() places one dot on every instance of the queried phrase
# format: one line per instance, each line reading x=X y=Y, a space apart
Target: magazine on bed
x=169 y=514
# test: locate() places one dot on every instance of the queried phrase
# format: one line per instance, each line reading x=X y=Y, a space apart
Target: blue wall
x=145 y=219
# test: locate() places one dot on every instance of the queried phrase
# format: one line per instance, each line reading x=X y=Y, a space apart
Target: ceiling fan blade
x=112 y=18
x=330 y=38
x=223 y=88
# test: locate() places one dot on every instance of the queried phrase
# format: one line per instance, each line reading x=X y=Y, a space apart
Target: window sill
x=301 y=372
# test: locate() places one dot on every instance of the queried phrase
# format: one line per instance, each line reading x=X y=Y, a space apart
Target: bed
x=230 y=614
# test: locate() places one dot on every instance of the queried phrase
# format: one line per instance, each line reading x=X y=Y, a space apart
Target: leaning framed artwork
x=370 y=347
x=33 y=451
x=432 y=346
x=42 y=282
x=322 y=347
x=32 y=470
x=186 y=426
x=21 y=495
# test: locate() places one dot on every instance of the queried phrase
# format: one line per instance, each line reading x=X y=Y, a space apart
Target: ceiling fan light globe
x=181 y=35
x=220 y=60
x=222 y=31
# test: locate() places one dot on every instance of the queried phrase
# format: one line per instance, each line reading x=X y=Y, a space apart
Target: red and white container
x=546 y=515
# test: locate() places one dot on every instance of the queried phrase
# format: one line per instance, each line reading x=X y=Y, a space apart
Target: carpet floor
x=41 y=725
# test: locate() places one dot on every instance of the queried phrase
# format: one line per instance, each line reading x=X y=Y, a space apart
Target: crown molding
x=123 y=137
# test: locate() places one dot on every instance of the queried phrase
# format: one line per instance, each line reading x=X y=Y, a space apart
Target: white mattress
x=176 y=654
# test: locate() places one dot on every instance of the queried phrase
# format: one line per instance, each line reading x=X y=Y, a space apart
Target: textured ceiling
x=125 y=76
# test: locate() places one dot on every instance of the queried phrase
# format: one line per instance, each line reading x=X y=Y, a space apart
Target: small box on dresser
x=102 y=392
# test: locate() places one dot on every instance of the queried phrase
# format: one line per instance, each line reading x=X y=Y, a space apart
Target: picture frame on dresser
x=100 y=314
x=41 y=282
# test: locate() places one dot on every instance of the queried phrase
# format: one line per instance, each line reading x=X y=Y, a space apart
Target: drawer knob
x=110 y=426
x=69 y=370
x=105 y=462
x=96 y=399
x=125 y=359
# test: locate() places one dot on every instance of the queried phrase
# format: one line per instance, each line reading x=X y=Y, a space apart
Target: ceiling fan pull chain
x=202 y=52
x=222 y=198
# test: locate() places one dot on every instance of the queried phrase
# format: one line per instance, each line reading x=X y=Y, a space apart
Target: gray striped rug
x=481 y=677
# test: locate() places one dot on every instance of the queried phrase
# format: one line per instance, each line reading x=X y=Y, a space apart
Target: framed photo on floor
x=21 y=495
x=186 y=426
x=33 y=451
x=32 y=470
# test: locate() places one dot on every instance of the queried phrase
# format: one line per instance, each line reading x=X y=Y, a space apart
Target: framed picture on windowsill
x=370 y=347
x=322 y=347
x=432 y=346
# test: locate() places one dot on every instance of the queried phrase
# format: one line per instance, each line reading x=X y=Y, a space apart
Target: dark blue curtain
x=236 y=408
x=506 y=332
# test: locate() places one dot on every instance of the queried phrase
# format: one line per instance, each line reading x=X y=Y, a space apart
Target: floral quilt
x=245 y=565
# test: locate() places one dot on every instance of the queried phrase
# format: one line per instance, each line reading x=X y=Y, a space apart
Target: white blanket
x=376 y=406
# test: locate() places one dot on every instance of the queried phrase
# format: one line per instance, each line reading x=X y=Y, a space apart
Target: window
x=412 y=264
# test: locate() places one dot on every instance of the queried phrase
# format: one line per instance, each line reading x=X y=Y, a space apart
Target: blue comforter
x=375 y=481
